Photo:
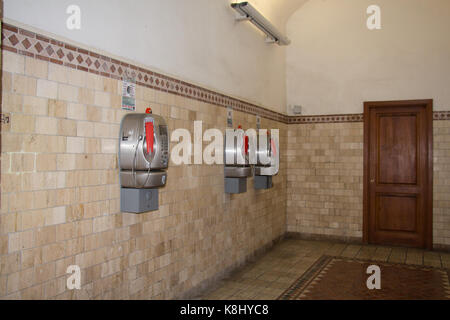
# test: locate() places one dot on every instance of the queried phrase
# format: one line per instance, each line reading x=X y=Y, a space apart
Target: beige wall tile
x=57 y=73
x=103 y=223
x=111 y=85
x=94 y=113
x=55 y=216
x=11 y=142
x=75 y=145
x=6 y=81
x=76 y=111
x=5 y=162
x=109 y=146
x=57 y=108
x=67 y=127
x=68 y=93
x=9 y=223
x=45 y=235
x=43 y=180
x=20 y=280
x=47 y=89
x=93 y=145
x=20 y=202
x=52 y=252
x=85 y=129
x=40 y=199
x=86 y=96
x=35 y=106
x=102 y=130
x=24 y=85
x=102 y=99
x=110 y=267
x=32 y=219
x=36 y=68
x=20 y=240
x=94 y=82
x=22 y=123
x=46 y=125
x=77 y=77
x=45 y=272
x=13 y=62
x=66 y=162
x=21 y=162
x=11 y=102
x=74 y=246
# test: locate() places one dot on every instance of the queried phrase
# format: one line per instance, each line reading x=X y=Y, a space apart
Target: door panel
x=396 y=213
x=398 y=173
x=397 y=147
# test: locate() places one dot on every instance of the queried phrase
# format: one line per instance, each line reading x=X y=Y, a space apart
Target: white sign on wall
x=129 y=95
x=229 y=117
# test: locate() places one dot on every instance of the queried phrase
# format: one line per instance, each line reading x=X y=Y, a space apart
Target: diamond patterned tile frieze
x=28 y=43
x=49 y=50
x=60 y=53
x=13 y=39
x=38 y=47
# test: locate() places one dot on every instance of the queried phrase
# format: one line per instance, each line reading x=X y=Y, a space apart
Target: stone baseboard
x=344 y=239
x=314 y=236
x=441 y=247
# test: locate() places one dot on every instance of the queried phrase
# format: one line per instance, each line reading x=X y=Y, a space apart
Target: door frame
x=428 y=103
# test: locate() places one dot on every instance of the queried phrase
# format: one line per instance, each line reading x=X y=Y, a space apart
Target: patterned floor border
x=299 y=288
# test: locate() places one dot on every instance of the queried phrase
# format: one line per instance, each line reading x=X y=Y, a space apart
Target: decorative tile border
x=359 y=117
x=34 y=45
x=326 y=118
x=37 y=46
x=441 y=115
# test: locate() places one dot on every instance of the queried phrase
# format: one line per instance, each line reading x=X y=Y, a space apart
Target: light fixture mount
x=247 y=12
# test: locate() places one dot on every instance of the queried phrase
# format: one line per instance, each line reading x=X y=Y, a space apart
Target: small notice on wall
x=229 y=117
x=258 y=122
x=129 y=94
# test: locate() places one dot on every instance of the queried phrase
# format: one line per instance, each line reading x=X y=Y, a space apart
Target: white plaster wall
x=335 y=63
x=195 y=40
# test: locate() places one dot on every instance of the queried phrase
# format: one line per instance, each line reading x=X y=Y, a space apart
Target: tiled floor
x=271 y=274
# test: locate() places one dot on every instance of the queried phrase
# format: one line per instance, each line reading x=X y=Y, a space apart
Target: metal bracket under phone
x=235 y=185
x=262 y=182
x=138 y=200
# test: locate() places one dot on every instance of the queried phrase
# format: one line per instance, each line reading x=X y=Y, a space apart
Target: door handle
x=372 y=180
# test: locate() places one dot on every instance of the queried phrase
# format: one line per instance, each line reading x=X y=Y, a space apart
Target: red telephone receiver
x=246 y=144
x=245 y=141
x=273 y=147
x=149 y=133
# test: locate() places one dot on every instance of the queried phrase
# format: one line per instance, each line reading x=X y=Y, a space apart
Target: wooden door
x=398 y=173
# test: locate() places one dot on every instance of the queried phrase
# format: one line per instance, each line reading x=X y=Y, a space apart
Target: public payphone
x=143 y=160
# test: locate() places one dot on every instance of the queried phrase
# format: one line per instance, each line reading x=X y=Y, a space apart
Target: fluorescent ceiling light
x=247 y=12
